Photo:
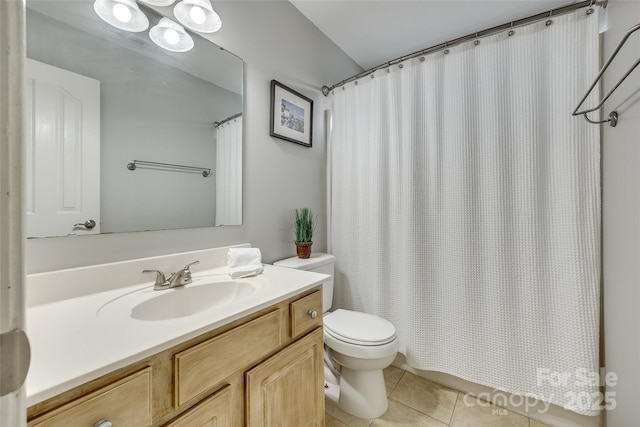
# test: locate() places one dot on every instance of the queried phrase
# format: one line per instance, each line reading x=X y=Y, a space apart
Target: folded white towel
x=244 y=262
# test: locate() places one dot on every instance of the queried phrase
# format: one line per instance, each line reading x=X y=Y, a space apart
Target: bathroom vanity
x=255 y=359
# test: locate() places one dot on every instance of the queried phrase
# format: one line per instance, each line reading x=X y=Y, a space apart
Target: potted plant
x=305 y=225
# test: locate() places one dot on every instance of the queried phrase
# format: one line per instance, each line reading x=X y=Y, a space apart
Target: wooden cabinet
x=125 y=402
x=214 y=411
x=202 y=366
x=265 y=369
x=288 y=388
x=306 y=314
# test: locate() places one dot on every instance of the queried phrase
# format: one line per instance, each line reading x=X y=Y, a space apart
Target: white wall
x=621 y=219
x=276 y=42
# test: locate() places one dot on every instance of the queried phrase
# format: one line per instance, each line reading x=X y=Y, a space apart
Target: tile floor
x=417 y=402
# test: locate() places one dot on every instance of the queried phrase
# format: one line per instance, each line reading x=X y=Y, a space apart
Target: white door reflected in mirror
x=62 y=134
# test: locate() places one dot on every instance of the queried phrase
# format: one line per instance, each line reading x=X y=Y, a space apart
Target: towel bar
x=613 y=116
x=205 y=171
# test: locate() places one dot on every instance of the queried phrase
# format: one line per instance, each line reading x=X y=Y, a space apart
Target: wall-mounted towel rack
x=613 y=116
x=157 y=165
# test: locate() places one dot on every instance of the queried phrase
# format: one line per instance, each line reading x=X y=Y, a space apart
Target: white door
x=62 y=146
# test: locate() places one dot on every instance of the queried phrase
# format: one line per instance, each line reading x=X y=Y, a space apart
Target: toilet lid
x=359 y=328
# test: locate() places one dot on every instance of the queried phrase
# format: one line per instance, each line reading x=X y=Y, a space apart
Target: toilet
x=358 y=346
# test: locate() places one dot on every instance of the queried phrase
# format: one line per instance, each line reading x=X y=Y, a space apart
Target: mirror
x=120 y=130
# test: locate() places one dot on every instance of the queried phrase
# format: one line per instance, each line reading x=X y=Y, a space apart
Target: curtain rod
x=473 y=36
x=228 y=119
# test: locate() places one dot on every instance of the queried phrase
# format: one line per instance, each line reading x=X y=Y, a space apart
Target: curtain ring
x=590 y=10
x=511 y=32
x=549 y=21
x=446 y=51
x=476 y=42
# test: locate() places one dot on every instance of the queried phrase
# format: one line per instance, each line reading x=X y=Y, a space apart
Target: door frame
x=13 y=344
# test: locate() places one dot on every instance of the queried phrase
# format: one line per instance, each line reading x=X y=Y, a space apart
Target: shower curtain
x=229 y=173
x=466 y=209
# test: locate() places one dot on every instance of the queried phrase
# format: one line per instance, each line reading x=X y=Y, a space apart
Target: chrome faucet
x=177 y=279
x=182 y=277
x=161 y=282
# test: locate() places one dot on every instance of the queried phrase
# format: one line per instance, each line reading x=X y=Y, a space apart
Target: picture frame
x=291 y=115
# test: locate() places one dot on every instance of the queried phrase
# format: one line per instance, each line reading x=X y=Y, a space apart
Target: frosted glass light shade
x=171 y=36
x=122 y=14
x=197 y=15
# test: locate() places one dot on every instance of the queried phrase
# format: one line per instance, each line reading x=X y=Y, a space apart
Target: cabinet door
x=287 y=390
x=215 y=411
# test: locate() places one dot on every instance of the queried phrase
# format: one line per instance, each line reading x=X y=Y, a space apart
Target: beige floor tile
x=534 y=423
x=471 y=412
x=329 y=421
x=425 y=396
x=399 y=415
x=391 y=377
x=345 y=417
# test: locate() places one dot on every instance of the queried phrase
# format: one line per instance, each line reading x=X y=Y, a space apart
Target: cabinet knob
x=103 y=423
x=312 y=314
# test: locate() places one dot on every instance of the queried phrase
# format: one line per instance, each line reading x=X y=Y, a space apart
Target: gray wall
x=279 y=176
x=276 y=42
x=621 y=219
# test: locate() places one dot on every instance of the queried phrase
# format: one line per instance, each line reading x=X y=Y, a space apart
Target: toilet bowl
x=361 y=345
x=358 y=346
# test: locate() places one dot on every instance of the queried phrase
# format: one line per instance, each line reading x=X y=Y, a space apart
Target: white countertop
x=71 y=344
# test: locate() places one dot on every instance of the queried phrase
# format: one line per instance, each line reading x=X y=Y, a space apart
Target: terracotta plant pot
x=303 y=249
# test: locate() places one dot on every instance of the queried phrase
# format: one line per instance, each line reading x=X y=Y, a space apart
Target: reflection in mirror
x=100 y=98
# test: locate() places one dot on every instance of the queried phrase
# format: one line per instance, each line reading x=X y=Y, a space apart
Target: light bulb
x=121 y=12
x=197 y=14
x=171 y=36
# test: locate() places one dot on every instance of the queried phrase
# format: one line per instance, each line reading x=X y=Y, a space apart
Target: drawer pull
x=312 y=313
x=103 y=423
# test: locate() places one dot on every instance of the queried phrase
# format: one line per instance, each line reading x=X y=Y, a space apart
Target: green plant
x=305 y=224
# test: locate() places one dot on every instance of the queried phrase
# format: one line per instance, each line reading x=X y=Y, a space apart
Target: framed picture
x=291 y=115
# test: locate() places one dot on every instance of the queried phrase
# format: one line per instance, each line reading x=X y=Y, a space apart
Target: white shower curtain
x=229 y=173
x=466 y=209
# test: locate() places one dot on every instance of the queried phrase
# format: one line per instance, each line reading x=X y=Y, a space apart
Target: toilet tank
x=319 y=263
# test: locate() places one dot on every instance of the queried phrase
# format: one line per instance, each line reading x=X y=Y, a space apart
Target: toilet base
x=332 y=393
x=363 y=393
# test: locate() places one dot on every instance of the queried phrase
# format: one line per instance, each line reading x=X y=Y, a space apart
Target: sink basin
x=186 y=300
x=150 y=305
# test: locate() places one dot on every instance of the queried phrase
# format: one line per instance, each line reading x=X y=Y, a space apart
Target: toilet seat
x=359 y=328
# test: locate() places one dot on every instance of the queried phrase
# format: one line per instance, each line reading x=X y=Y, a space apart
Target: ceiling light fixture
x=197 y=15
x=171 y=36
x=159 y=2
x=122 y=14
